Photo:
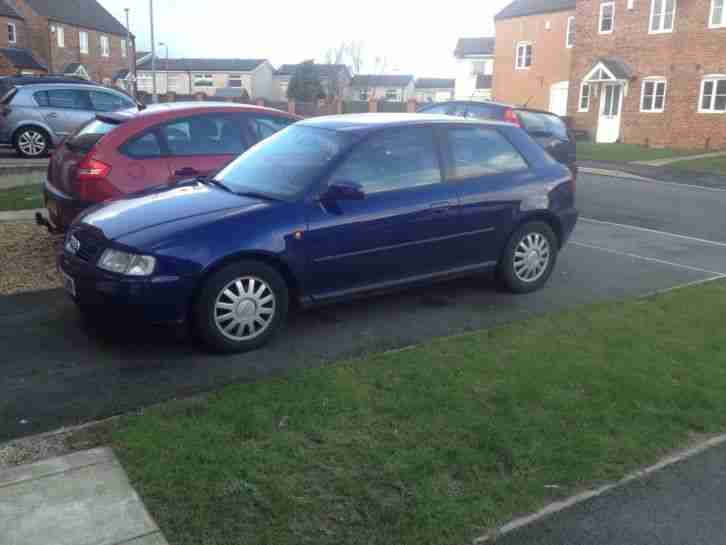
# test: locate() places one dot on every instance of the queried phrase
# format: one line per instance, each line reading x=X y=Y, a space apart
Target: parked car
x=328 y=209
x=8 y=82
x=35 y=118
x=548 y=130
x=116 y=154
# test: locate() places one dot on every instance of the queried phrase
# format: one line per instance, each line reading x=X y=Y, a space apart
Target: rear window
x=483 y=111
x=538 y=123
x=478 y=152
x=89 y=135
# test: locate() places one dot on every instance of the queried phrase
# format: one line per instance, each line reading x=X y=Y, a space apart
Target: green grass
x=436 y=444
x=623 y=153
x=21 y=198
x=714 y=165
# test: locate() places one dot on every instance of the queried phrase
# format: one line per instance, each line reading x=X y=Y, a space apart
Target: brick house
x=651 y=72
x=533 y=53
x=474 y=68
x=72 y=37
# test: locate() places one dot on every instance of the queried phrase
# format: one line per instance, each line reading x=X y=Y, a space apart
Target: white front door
x=611 y=102
x=558 y=97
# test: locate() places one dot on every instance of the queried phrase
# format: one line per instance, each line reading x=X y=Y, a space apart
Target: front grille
x=91 y=244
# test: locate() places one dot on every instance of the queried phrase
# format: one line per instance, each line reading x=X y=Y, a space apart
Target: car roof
x=472 y=102
x=67 y=85
x=170 y=110
x=353 y=122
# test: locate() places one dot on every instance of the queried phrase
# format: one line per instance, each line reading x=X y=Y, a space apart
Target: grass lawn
x=21 y=198
x=438 y=443
x=622 y=152
x=714 y=165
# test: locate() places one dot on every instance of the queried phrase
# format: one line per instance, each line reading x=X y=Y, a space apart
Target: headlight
x=128 y=264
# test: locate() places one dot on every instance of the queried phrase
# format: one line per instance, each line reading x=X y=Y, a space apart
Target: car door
x=400 y=229
x=201 y=145
x=72 y=108
x=146 y=163
x=490 y=175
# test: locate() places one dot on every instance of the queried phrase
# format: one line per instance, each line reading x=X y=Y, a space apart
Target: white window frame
x=13 y=32
x=105 y=44
x=599 y=22
x=582 y=95
x=661 y=29
x=207 y=80
x=715 y=78
x=656 y=80
x=60 y=35
x=124 y=50
x=570 y=34
x=712 y=11
x=523 y=66
x=83 y=42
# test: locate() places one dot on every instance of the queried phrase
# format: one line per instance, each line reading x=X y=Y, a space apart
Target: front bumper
x=62 y=208
x=157 y=299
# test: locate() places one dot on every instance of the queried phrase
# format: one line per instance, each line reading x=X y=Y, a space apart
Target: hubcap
x=531 y=257
x=31 y=143
x=244 y=309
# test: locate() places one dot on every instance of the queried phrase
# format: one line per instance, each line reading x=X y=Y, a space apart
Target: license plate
x=69 y=284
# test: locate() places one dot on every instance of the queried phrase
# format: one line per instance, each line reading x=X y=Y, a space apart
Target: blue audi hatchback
x=328 y=209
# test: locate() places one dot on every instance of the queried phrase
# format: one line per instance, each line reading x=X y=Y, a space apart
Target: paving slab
x=23 y=216
x=81 y=499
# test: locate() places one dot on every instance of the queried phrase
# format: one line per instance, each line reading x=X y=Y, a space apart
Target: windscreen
x=89 y=135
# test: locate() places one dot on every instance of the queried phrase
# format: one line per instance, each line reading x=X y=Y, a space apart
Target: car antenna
x=527 y=103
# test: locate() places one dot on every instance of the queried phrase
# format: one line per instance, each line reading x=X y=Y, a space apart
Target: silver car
x=35 y=118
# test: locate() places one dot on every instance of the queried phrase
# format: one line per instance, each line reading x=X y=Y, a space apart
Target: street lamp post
x=166 y=67
x=132 y=58
x=154 y=95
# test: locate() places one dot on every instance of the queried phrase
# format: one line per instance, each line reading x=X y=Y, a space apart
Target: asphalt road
x=56 y=370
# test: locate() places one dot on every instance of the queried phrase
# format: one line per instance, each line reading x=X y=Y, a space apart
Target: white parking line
x=651 y=259
x=686 y=285
x=655 y=231
x=639 y=179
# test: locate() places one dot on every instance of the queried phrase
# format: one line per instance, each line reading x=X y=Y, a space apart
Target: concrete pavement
x=671 y=160
x=81 y=499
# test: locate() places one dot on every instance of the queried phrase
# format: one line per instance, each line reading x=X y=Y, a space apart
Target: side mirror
x=343 y=191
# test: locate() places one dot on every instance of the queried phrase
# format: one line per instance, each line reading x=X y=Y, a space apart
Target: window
x=611 y=107
x=363 y=95
x=145 y=146
x=264 y=127
x=203 y=80
x=607 y=18
x=441 y=109
x=653 y=95
x=60 y=36
x=205 y=135
x=108 y=102
x=124 y=51
x=83 y=42
x=393 y=94
x=478 y=68
x=234 y=81
x=480 y=152
x=536 y=123
x=524 y=56
x=713 y=95
x=395 y=160
x=718 y=14
x=584 y=105
x=482 y=111
x=105 y=46
x=69 y=99
x=662 y=16
x=12 y=33
x=570 y=39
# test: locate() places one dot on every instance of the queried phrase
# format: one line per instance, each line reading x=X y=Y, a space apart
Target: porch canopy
x=608 y=70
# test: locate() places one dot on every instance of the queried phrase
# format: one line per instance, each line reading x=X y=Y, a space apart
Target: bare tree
x=356 y=56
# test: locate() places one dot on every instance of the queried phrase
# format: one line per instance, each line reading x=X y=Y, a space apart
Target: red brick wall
x=551 y=59
x=682 y=57
x=36 y=28
x=20 y=32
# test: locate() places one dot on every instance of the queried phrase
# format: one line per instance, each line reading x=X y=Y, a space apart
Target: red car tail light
x=89 y=180
x=511 y=117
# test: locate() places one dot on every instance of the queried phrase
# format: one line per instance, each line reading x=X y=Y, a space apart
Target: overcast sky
x=415 y=40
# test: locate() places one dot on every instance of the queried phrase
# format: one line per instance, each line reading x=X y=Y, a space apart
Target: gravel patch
x=28 y=253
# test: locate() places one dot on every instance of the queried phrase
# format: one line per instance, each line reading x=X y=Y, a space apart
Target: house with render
x=71 y=37
x=335 y=79
x=388 y=87
x=434 y=89
x=474 y=68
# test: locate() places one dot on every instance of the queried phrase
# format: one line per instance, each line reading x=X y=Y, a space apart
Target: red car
x=124 y=152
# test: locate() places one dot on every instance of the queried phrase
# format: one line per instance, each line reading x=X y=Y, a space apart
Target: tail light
x=511 y=117
x=90 y=180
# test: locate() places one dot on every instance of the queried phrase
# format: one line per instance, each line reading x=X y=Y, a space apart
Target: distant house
x=475 y=68
x=214 y=77
x=434 y=89
x=391 y=87
x=335 y=78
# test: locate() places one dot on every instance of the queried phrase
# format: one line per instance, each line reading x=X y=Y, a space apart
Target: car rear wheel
x=32 y=142
x=528 y=258
x=241 y=307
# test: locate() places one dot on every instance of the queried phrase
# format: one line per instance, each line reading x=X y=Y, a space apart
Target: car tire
x=31 y=142
x=241 y=307
x=528 y=258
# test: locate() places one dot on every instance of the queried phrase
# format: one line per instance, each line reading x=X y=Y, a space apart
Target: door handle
x=186 y=171
x=51 y=116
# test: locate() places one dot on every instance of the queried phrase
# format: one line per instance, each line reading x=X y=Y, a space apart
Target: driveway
x=58 y=371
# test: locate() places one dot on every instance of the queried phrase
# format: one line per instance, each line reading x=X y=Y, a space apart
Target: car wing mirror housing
x=343 y=190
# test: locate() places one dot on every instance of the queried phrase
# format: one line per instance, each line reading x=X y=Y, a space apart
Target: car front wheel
x=528 y=258
x=32 y=142
x=241 y=307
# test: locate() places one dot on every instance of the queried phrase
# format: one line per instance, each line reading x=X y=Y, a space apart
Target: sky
x=413 y=39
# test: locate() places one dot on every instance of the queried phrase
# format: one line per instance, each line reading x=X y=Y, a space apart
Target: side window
x=479 y=152
x=205 y=135
x=107 y=102
x=145 y=146
x=393 y=160
x=69 y=99
x=481 y=111
x=444 y=109
x=541 y=123
x=41 y=97
x=264 y=127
